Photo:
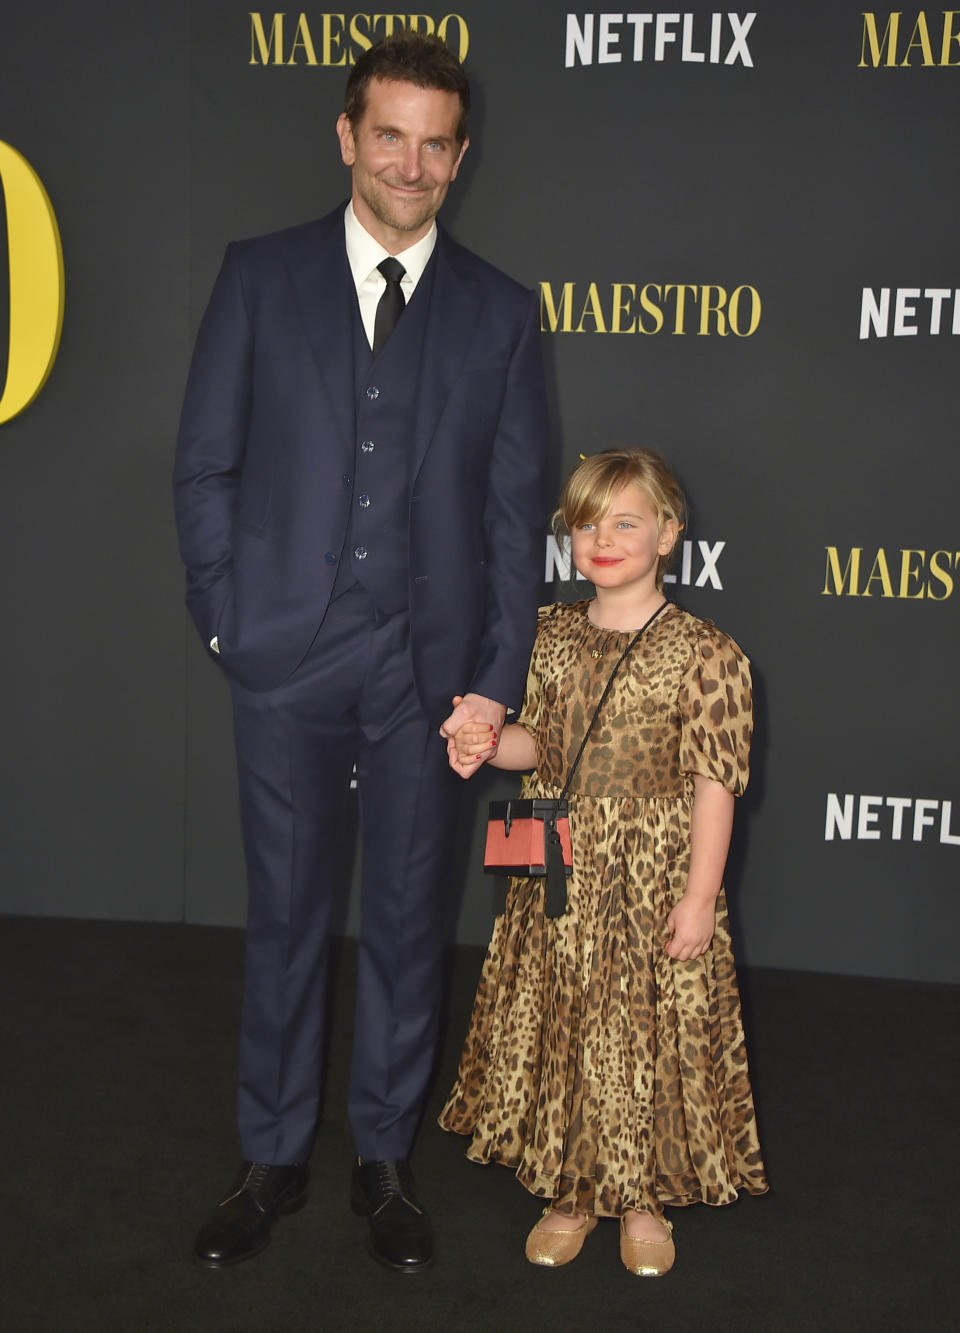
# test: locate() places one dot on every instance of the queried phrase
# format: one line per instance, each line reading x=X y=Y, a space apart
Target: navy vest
x=376 y=549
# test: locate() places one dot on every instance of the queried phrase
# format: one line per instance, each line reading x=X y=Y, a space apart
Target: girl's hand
x=690 y=926
x=470 y=742
x=464 y=768
x=475 y=740
x=470 y=746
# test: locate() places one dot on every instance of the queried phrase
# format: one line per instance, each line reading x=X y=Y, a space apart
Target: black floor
x=116 y=1113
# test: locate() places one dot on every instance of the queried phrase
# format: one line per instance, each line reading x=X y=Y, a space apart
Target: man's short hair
x=408 y=57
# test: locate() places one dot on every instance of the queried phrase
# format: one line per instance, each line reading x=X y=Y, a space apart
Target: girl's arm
x=472 y=744
x=691 y=923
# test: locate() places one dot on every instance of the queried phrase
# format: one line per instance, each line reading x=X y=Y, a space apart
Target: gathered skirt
x=608 y=1076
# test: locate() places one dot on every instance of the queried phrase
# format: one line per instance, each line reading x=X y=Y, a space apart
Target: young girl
x=605 y=1059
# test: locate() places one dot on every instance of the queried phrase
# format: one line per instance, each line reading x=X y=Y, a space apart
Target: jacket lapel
x=316 y=264
x=451 y=328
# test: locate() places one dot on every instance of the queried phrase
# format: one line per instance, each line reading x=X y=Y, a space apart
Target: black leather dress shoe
x=400 y=1233
x=239 y=1227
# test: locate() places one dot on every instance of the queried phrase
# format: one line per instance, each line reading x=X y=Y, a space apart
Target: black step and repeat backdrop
x=742 y=228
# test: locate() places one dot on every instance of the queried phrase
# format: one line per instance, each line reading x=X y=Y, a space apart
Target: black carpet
x=116 y=1112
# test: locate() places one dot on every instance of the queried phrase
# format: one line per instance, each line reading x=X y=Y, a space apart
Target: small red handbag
x=531 y=836
x=517 y=836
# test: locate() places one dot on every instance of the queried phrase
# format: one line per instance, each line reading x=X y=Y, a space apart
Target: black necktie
x=391 y=303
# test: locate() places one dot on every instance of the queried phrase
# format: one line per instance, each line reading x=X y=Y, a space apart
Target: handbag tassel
x=556 y=895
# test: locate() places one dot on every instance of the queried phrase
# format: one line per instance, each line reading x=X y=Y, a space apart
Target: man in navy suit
x=359 y=500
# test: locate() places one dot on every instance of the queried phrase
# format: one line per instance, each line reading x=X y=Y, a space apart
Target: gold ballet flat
x=647 y=1258
x=553 y=1248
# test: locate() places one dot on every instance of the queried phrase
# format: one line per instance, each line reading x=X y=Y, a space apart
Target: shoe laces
x=395 y=1179
x=256 y=1176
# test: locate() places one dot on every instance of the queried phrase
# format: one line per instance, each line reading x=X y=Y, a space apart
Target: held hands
x=690 y=926
x=472 y=732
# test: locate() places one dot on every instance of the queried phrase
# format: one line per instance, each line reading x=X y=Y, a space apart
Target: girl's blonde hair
x=595 y=480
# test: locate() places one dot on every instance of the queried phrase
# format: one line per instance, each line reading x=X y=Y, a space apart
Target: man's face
x=403 y=154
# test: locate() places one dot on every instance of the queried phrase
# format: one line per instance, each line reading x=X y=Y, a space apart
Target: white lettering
x=839 y=818
x=558 y=560
x=711 y=555
x=868 y=817
x=840 y=810
x=639 y=23
x=739 y=49
x=662 y=36
x=902 y=312
x=953 y=839
x=583 y=28
x=715 y=22
x=936 y=296
x=922 y=817
x=874 y=312
x=686 y=51
x=579 y=40
x=898 y=804
x=608 y=39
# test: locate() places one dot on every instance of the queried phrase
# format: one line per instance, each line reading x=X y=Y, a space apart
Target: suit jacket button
x=367 y=446
x=364 y=501
x=330 y=558
x=372 y=391
x=360 y=552
x=345 y=480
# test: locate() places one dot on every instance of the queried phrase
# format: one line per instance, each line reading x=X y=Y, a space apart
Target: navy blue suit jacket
x=267 y=432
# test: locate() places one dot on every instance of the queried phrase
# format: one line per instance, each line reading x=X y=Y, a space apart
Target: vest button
x=360 y=552
x=367 y=446
x=346 y=480
x=364 y=501
x=372 y=391
x=330 y=558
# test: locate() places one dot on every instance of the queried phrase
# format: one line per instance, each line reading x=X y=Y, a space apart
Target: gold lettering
x=550 y=316
x=706 y=309
x=643 y=310
x=464 y=43
x=850 y=572
x=414 y=21
x=681 y=288
x=881 y=574
x=733 y=310
x=942 y=575
x=907 y=572
x=592 y=308
x=621 y=307
x=651 y=309
x=36 y=291
x=303 y=41
x=259 y=42
x=920 y=37
x=331 y=37
x=361 y=39
x=889 y=39
x=390 y=22
x=949 y=35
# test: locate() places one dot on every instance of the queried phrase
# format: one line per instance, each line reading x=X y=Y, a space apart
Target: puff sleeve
x=716 y=711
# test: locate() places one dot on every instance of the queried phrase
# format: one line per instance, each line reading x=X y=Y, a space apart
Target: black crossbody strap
x=603 y=698
x=556 y=888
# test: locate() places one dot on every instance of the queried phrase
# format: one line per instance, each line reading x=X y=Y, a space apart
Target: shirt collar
x=364 y=253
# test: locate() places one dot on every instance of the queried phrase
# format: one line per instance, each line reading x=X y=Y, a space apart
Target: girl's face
x=622 y=547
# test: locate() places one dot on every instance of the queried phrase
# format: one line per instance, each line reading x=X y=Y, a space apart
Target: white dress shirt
x=364 y=254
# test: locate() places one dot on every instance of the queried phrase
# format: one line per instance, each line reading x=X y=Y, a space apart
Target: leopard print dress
x=607 y=1075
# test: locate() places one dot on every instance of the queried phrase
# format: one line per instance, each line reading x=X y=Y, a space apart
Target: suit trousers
x=352 y=700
